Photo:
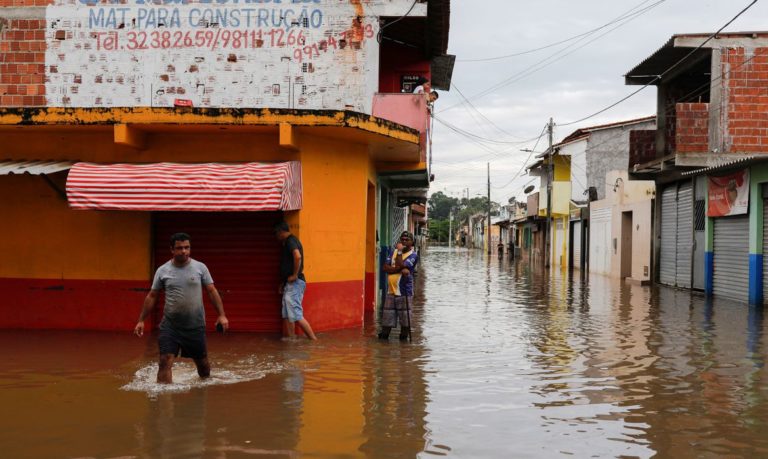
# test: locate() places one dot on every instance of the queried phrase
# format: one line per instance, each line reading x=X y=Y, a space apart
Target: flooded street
x=505 y=362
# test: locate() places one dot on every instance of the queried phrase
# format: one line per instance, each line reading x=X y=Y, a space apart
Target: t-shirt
x=399 y=284
x=183 y=293
x=286 y=258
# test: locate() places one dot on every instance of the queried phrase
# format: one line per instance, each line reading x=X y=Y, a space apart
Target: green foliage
x=441 y=206
x=438 y=230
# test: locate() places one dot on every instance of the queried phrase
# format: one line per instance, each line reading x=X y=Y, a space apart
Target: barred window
x=700 y=215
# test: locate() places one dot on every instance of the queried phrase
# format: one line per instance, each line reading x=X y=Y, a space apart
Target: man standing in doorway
x=292 y=281
x=182 y=330
x=399 y=296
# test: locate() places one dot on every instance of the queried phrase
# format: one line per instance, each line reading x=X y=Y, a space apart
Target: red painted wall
x=71 y=304
x=398 y=60
x=115 y=305
x=370 y=292
x=334 y=305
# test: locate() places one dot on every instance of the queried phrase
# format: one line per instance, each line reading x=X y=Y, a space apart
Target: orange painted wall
x=42 y=238
x=332 y=221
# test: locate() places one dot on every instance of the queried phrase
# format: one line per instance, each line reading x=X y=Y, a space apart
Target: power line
x=480 y=138
x=533 y=150
x=659 y=77
x=587 y=33
x=552 y=58
x=470 y=104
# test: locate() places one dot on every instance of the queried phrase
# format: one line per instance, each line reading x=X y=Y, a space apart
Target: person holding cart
x=399 y=298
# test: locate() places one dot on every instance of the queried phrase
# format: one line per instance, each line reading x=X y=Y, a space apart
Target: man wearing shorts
x=292 y=281
x=182 y=330
x=399 y=298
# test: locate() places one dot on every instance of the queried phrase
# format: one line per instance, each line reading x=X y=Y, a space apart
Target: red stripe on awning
x=241 y=187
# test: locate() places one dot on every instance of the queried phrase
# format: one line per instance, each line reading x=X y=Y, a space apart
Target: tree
x=440 y=206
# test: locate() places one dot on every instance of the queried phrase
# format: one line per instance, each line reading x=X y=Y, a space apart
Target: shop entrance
x=243 y=257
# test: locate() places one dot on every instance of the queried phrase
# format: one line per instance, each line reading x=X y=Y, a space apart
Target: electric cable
x=552 y=58
x=381 y=29
x=530 y=51
x=659 y=77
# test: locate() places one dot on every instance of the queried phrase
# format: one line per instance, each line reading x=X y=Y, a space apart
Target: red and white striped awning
x=204 y=187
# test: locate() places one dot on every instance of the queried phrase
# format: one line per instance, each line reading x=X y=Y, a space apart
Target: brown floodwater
x=506 y=362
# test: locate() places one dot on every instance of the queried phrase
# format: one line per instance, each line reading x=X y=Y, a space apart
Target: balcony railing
x=407 y=109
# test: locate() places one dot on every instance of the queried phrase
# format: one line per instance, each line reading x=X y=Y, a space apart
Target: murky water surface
x=506 y=362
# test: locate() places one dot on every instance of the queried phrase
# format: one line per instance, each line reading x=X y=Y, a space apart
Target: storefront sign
x=728 y=194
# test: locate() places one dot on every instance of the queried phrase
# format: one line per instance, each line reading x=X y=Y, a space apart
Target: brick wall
x=22 y=58
x=642 y=146
x=747 y=88
x=692 y=128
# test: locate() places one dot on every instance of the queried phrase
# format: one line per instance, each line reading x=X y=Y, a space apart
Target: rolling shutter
x=731 y=263
x=243 y=256
x=765 y=249
x=684 y=255
x=576 y=245
x=668 y=235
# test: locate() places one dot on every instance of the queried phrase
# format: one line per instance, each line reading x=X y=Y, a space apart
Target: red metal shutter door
x=243 y=257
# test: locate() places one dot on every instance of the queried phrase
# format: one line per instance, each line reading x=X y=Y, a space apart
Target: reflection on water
x=507 y=361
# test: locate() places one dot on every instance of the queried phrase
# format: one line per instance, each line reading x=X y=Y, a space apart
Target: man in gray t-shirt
x=182 y=330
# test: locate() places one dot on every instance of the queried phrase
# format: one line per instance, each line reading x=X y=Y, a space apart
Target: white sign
x=302 y=54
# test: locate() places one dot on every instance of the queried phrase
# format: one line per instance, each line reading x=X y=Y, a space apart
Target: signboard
x=409 y=82
x=728 y=194
x=319 y=54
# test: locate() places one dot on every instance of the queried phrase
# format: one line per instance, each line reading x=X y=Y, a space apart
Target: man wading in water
x=182 y=330
x=292 y=281
x=399 y=288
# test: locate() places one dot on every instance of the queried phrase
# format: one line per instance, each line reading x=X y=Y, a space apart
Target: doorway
x=626 y=244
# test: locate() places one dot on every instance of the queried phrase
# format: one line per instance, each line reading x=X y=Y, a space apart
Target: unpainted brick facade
x=746 y=120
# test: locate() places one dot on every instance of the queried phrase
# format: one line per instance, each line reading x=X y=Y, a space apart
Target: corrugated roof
x=35 y=167
x=742 y=161
x=671 y=53
x=583 y=132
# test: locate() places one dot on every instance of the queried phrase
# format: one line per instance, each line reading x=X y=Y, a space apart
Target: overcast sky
x=576 y=78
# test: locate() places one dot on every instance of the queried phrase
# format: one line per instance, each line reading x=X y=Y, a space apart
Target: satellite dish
x=528 y=189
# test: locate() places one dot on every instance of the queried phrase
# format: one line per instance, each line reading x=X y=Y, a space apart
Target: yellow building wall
x=43 y=239
x=562 y=168
x=332 y=221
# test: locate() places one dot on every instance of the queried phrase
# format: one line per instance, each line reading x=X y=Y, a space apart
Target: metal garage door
x=684 y=256
x=243 y=257
x=668 y=250
x=676 y=257
x=600 y=241
x=576 y=245
x=731 y=258
x=557 y=244
x=765 y=249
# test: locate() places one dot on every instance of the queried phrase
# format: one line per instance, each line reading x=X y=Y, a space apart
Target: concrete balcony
x=409 y=110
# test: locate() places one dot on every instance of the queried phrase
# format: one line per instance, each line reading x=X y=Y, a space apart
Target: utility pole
x=489 y=210
x=450 y=227
x=550 y=178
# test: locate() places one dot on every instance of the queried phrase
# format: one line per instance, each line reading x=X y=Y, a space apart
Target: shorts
x=397 y=309
x=187 y=343
x=293 y=295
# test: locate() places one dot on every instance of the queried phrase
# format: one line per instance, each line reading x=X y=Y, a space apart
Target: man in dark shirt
x=292 y=281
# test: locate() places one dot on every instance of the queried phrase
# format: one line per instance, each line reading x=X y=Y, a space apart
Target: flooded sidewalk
x=506 y=361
